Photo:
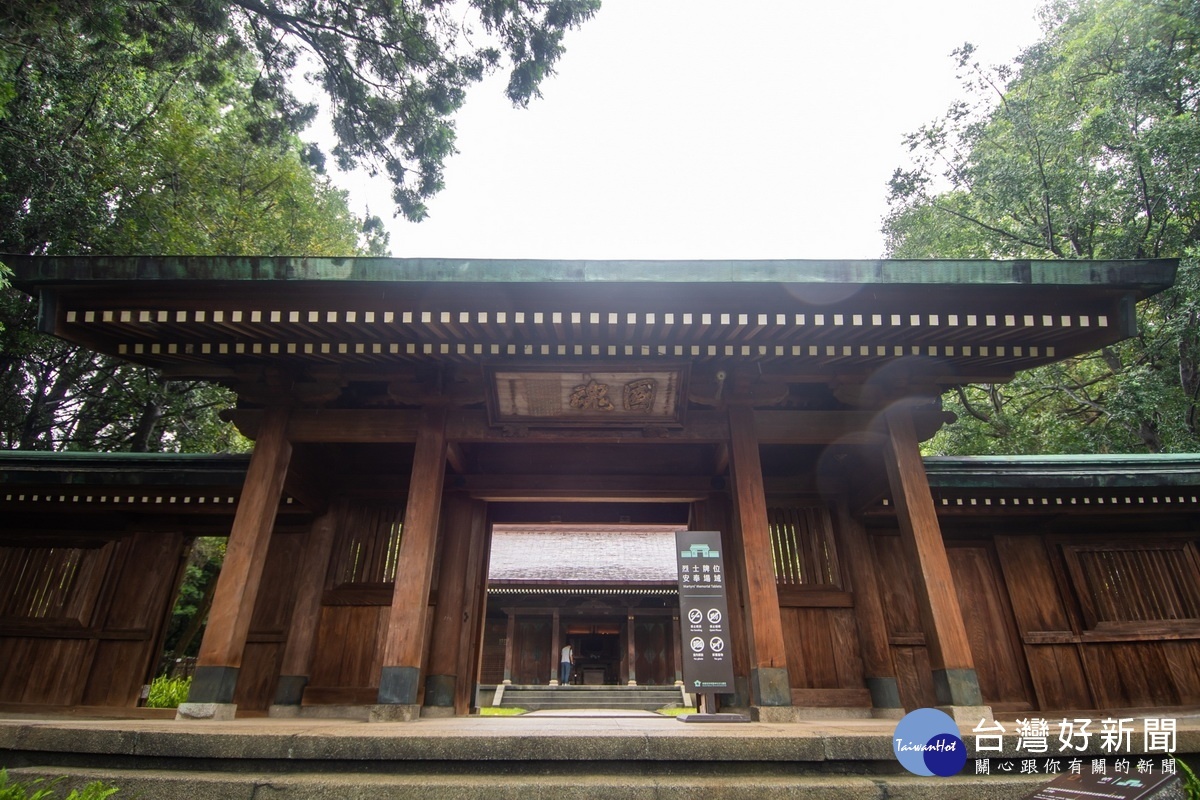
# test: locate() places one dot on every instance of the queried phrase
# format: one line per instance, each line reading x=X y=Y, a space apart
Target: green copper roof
x=1148 y=275
x=1064 y=471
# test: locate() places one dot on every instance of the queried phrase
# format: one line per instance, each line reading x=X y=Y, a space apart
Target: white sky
x=703 y=129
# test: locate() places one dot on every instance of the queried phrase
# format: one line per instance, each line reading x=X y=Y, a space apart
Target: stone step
x=645 y=698
x=160 y=784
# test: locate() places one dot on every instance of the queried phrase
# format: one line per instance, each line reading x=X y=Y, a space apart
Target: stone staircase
x=627 y=698
x=493 y=758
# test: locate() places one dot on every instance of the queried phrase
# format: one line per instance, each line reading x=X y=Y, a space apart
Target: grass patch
x=41 y=789
x=675 y=711
x=167 y=692
x=502 y=712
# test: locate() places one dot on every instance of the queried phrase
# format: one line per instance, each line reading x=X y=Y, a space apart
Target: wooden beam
x=770 y=685
x=241 y=573
x=945 y=633
x=585 y=488
x=817 y=427
x=404 y=649
x=471 y=425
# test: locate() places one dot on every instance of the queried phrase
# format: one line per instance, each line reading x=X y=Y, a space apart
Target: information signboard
x=1084 y=785
x=703 y=613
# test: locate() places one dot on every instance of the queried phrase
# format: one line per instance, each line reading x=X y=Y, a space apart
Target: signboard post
x=703 y=622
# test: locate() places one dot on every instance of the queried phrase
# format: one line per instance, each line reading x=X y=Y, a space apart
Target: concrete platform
x=617 y=758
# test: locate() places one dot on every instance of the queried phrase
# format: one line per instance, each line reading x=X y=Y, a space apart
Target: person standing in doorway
x=565 y=664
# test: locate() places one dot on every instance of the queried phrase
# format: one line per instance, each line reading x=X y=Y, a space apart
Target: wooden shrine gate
x=398 y=405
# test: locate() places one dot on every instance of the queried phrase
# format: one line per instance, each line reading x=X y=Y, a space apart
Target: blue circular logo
x=926 y=743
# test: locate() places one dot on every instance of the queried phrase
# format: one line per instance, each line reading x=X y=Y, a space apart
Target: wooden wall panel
x=991 y=630
x=914 y=676
x=895 y=587
x=1183 y=669
x=1036 y=600
x=1044 y=624
x=111 y=624
x=824 y=659
x=259 y=670
x=258 y=675
x=58 y=665
x=823 y=651
x=112 y=681
x=1133 y=674
x=491 y=669
x=347 y=646
x=1056 y=672
x=147 y=576
x=277 y=595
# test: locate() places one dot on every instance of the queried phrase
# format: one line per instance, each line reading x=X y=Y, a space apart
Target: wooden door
x=532 y=659
x=653 y=647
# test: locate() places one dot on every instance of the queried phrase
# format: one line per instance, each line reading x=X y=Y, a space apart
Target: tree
x=1087 y=146
x=99 y=155
x=393 y=71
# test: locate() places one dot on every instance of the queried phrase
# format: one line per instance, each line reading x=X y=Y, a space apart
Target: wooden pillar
x=508 y=646
x=954 y=677
x=868 y=614
x=556 y=646
x=215 y=679
x=631 y=643
x=470 y=652
x=769 y=681
x=306 y=615
x=404 y=646
x=449 y=621
x=676 y=648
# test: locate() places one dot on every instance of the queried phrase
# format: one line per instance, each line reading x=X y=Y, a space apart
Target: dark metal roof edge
x=1063 y=471
x=72 y=460
x=32 y=466
x=1145 y=275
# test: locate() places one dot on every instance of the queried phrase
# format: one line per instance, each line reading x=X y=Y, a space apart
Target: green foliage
x=195 y=598
x=122 y=134
x=168 y=692
x=40 y=789
x=1088 y=146
x=1191 y=783
x=130 y=127
x=392 y=71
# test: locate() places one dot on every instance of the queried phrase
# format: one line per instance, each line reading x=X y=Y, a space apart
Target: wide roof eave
x=1064 y=471
x=1147 y=275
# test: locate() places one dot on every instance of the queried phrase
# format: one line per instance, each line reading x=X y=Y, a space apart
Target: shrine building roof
x=223 y=317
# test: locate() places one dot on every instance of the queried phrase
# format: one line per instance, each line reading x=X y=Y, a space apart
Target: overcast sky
x=703 y=129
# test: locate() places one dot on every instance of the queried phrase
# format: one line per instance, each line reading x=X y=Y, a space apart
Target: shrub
x=167 y=692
